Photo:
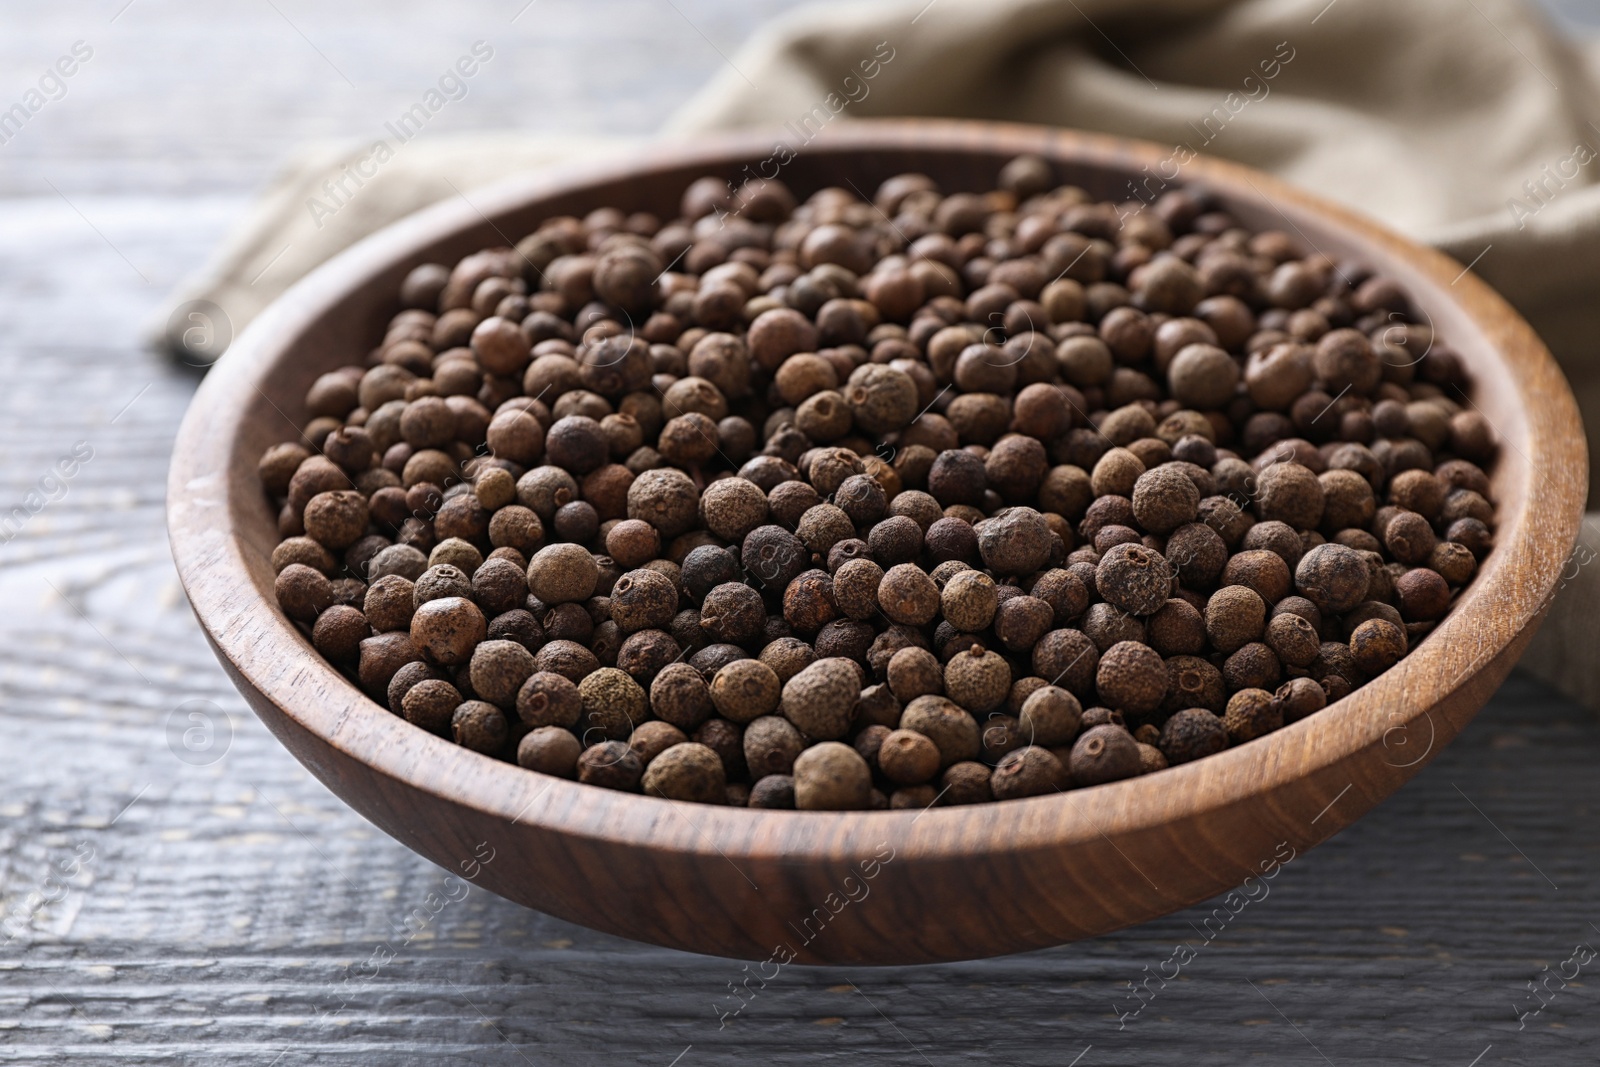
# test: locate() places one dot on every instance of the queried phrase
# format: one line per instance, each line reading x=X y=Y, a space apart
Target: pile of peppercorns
x=942 y=498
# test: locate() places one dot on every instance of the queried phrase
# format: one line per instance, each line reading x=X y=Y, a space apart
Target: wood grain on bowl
x=869 y=887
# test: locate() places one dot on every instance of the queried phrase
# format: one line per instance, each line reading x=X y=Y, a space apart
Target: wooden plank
x=218 y=916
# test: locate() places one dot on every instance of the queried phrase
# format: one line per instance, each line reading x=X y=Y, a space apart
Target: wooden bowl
x=868 y=887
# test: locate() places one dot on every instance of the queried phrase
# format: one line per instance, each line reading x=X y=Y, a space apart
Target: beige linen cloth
x=1467 y=124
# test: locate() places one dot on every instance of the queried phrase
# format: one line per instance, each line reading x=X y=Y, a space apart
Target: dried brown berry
x=1192 y=734
x=820 y=700
x=1134 y=578
x=831 y=777
x=1029 y=771
x=1251 y=713
x=977 y=680
x=745 y=690
x=1103 y=754
x=687 y=771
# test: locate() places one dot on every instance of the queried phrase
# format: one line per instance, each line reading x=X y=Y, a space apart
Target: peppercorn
x=479 y=726
x=745 y=690
x=947 y=725
x=1134 y=579
x=1192 y=734
x=1050 y=716
x=1376 y=645
x=687 y=771
x=550 y=750
x=612 y=765
x=831 y=777
x=966 y=782
x=1332 y=577
x=821 y=698
x=977 y=680
x=1069 y=659
x=773 y=792
x=1251 y=713
x=1103 y=754
x=498 y=670
x=1132 y=677
x=1021 y=621
x=430 y=704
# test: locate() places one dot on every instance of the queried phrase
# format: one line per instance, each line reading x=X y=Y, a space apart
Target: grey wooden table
x=177 y=889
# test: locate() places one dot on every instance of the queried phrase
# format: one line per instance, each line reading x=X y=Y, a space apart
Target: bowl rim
x=246 y=628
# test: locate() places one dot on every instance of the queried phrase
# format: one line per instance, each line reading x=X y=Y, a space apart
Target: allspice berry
x=679 y=694
x=771 y=745
x=821 y=699
x=1332 y=577
x=303 y=593
x=951 y=728
x=1050 y=717
x=611 y=765
x=480 y=726
x=613 y=703
x=448 y=630
x=915 y=672
x=1234 y=616
x=1131 y=678
x=547 y=699
x=1045 y=497
x=966 y=782
x=908 y=758
x=773 y=792
x=1026 y=772
x=745 y=690
x=688 y=771
x=430 y=705
x=831 y=777
x=908 y=596
x=1299 y=697
x=1134 y=578
x=562 y=573
x=1164 y=499
x=1376 y=645
x=1192 y=734
x=1103 y=754
x=550 y=750
x=968 y=601
x=1015 y=542
x=1251 y=713
x=498 y=670
x=977 y=680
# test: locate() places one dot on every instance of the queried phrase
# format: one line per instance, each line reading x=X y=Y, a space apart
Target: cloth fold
x=1466 y=124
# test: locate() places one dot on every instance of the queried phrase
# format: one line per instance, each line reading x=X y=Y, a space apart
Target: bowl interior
x=224 y=529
